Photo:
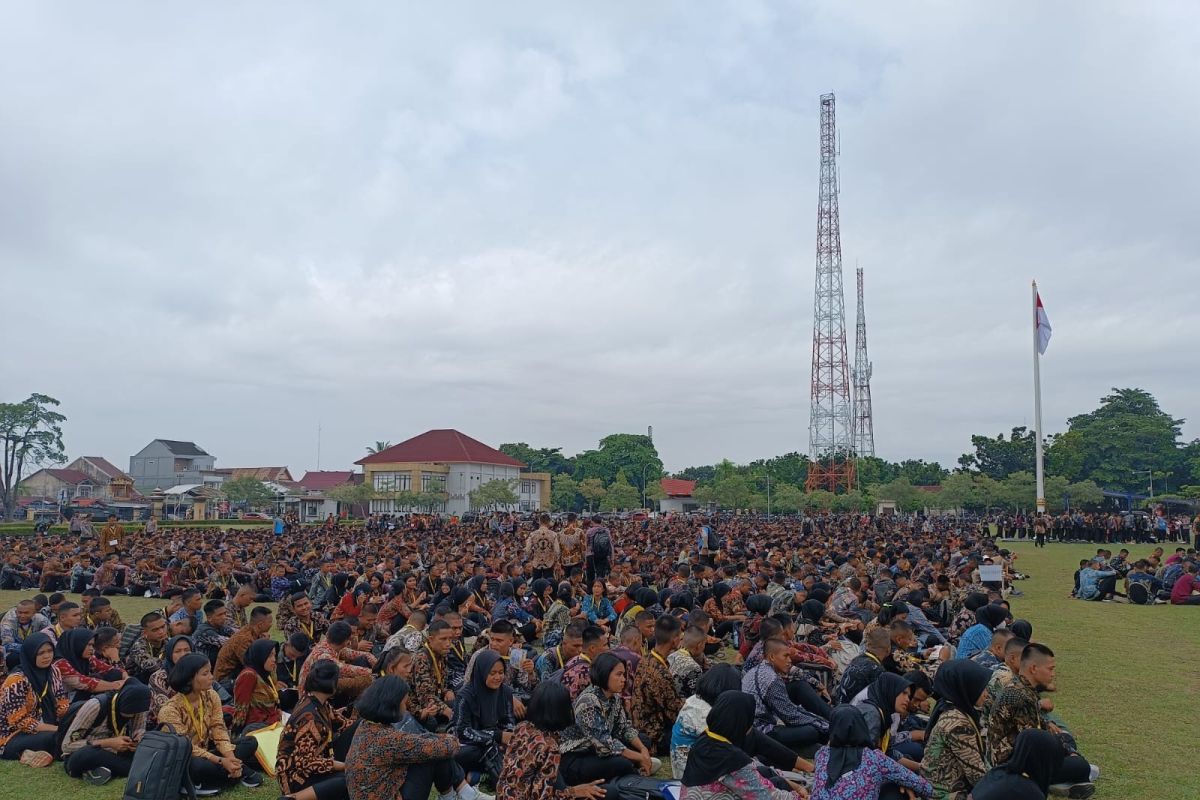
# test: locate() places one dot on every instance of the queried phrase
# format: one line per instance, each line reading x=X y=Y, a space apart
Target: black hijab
x=1037 y=755
x=132 y=698
x=39 y=679
x=884 y=690
x=958 y=685
x=487 y=706
x=711 y=758
x=991 y=616
x=975 y=601
x=167 y=662
x=811 y=611
x=71 y=646
x=848 y=736
x=258 y=653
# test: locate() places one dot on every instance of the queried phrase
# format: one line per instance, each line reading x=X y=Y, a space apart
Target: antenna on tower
x=864 y=423
x=830 y=428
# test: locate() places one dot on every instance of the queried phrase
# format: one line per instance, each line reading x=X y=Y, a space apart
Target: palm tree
x=379 y=447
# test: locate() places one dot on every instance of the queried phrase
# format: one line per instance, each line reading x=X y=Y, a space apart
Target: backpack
x=160 y=767
x=1139 y=594
x=602 y=543
x=636 y=787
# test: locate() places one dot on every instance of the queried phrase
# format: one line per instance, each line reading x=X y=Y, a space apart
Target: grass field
x=1128 y=678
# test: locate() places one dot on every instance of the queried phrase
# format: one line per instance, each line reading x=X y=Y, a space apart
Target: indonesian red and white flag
x=1043 y=327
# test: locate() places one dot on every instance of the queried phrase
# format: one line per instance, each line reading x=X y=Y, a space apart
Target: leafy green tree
x=872 y=470
x=1000 y=457
x=494 y=494
x=378 y=447
x=593 y=491
x=922 y=473
x=851 y=501
x=901 y=492
x=1126 y=436
x=429 y=501
x=786 y=498
x=818 y=500
x=1064 y=455
x=1085 y=494
x=703 y=474
x=540 y=459
x=564 y=493
x=31 y=435
x=789 y=468
x=619 y=451
x=356 y=495
x=621 y=495
x=247 y=490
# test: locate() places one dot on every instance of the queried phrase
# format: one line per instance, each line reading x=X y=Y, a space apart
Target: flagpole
x=1037 y=410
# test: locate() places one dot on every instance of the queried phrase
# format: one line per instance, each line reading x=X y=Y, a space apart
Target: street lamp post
x=1150 y=474
x=645 y=467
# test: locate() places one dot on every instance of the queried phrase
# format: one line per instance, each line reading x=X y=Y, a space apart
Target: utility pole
x=864 y=423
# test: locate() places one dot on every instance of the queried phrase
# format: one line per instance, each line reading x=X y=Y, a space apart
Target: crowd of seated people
x=840 y=657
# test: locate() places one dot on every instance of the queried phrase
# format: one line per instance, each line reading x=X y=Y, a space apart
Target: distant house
x=165 y=463
x=449 y=461
x=62 y=485
x=313 y=503
x=116 y=484
x=677 y=495
x=264 y=474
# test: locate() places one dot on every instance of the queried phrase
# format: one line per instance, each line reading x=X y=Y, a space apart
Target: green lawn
x=1128 y=677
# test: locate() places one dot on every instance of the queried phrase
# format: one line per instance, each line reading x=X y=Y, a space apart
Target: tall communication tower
x=830 y=429
x=864 y=424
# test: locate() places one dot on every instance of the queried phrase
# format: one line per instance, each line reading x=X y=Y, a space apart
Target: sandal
x=36 y=758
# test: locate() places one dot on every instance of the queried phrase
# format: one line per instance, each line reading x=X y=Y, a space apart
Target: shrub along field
x=1128 y=679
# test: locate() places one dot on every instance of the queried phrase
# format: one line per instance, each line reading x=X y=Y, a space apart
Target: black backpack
x=637 y=787
x=1139 y=594
x=160 y=767
x=602 y=543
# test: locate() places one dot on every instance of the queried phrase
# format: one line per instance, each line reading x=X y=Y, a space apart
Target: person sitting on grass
x=99 y=742
x=380 y=755
x=776 y=714
x=718 y=766
x=993 y=656
x=311 y=762
x=483 y=717
x=602 y=744
x=1036 y=758
x=530 y=770
x=195 y=712
x=74 y=663
x=1183 y=593
x=256 y=692
x=32 y=701
x=656 y=699
x=1097 y=583
x=160 y=682
x=850 y=768
x=955 y=758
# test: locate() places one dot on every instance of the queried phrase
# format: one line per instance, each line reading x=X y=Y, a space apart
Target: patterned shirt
x=530 y=769
x=577 y=675
x=428 y=682
x=864 y=782
x=144 y=659
x=601 y=724
x=954 y=756
x=88 y=727
x=305 y=749
x=1015 y=709
x=380 y=755
x=772 y=706
x=655 y=699
x=20 y=711
x=686 y=671
x=542 y=549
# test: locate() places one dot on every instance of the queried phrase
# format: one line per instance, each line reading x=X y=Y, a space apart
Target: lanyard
x=307 y=628
x=661 y=660
x=437 y=670
x=293 y=669
x=23 y=630
x=274 y=690
x=716 y=736
x=113 y=707
x=197 y=719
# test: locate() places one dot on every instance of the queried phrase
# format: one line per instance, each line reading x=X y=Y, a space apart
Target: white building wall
x=462 y=479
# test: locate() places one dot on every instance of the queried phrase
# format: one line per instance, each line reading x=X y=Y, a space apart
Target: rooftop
x=442 y=446
x=676 y=487
x=320 y=481
x=182 y=448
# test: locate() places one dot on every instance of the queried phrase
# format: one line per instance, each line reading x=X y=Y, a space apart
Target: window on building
x=392 y=481
x=83 y=490
x=529 y=487
x=433 y=482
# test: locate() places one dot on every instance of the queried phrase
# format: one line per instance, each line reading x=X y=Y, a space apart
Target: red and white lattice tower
x=830 y=429
x=864 y=424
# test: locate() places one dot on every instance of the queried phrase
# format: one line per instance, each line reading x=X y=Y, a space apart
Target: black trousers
x=207 y=773
x=586 y=766
x=326 y=787
x=804 y=695
x=471 y=758
x=443 y=775
x=1074 y=769
x=29 y=741
x=796 y=737
x=91 y=757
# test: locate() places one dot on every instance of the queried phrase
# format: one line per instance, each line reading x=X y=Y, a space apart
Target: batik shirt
x=954 y=757
x=429 y=681
x=379 y=758
x=1001 y=679
x=1015 y=710
x=685 y=671
x=655 y=700
x=601 y=724
x=530 y=769
x=741 y=784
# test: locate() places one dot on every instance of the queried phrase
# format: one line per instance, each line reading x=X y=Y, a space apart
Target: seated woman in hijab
x=256 y=690
x=483 y=718
x=718 y=767
x=979 y=636
x=32 y=701
x=160 y=682
x=955 y=758
x=965 y=617
x=99 y=742
x=1036 y=757
x=883 y=706
x=850 y=768
x=74 y=663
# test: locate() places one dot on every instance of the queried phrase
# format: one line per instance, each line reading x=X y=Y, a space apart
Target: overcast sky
x=549 y=222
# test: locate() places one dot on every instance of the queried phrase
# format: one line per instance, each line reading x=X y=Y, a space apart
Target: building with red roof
x=452 y=464
x=677 y=495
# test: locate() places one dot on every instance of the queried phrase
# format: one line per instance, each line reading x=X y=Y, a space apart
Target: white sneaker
x=1095 y=773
